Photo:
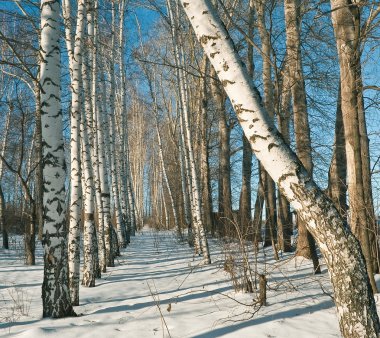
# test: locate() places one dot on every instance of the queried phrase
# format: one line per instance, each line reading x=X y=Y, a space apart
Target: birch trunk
x=38 y=159
x=103 y=149
x=74 y=48
x=90 y=260
x=354 y=299
x=125 y=201
x=113 y=138
x=55 y=291
x=92 y=107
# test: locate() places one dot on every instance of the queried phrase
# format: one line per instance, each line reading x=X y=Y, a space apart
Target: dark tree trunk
x=3 y=226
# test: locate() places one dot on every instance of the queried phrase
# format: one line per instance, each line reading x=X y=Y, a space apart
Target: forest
x=225 y=152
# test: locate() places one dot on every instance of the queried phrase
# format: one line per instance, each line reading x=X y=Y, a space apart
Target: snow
x=158 y=289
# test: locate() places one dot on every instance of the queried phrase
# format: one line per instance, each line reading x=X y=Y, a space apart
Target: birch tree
x=75 y=63
x=55 y=291
x=354 y=299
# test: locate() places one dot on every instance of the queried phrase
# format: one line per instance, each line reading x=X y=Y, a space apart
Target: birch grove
x=246 y=131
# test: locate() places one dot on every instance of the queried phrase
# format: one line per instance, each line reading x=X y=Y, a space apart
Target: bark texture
x=305 y=243
x=55 y=291
x=346 y=21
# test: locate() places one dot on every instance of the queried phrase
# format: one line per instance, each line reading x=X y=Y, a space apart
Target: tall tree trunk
x=284 y=216
x=305 y=243
x=204 y=167
x=268 y=184
x=113 y=139
x=337 y=188
x=354 y=298
x=55 y=291
x=124 y=146
x=224 y=181
x=75 y=61
x=90 y=244
x=346 y=22
x=3 y=227
x=38 y=158
x=245 y=215
x=103 y=150
x=4 y=230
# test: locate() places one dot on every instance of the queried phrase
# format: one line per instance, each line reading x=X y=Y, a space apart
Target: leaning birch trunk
x=354 y=299
x=55 y=291
x=2 y=200
x=75 y=62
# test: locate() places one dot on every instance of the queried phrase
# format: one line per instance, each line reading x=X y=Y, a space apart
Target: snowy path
x=158 y=290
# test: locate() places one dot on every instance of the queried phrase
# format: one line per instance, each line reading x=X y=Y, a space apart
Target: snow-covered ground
x=158 y=289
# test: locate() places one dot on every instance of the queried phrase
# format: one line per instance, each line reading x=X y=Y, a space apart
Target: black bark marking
x=205 y=38
x=271 y=145
x=253 y=138
x=227 y=82
x=212 y=55
x=284 y=177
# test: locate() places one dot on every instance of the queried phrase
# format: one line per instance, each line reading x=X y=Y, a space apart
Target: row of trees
x=154 y=140
x=100 y=174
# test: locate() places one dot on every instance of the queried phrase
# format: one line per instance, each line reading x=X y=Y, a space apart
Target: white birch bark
x=55 y=291
x=113 y=138
x=103 y=150
x=89 y=233
x=125 y=202
x=75 y=64
x=354 y=300
x=93 y=103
